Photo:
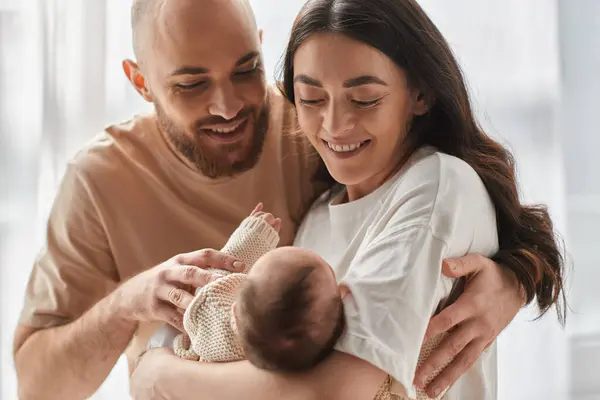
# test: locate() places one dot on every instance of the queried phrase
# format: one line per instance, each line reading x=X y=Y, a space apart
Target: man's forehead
x=205 y=32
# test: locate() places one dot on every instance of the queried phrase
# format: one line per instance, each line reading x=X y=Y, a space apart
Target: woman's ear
x=422 y=103
x=132 y=71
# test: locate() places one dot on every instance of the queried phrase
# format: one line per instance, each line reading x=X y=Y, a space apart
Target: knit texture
x=250 y=241
x=385 y=392
x=208 y=320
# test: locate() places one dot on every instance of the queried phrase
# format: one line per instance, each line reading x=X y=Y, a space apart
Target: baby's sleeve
x=251 y=240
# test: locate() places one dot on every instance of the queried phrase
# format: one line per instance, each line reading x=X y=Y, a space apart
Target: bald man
x=161 y=186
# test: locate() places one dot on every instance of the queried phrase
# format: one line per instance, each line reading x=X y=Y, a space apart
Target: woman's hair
x=401 y=30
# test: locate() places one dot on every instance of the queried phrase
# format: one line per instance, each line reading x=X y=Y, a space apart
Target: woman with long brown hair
x=382 y=99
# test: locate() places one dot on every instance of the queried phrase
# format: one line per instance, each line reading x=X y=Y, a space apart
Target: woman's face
x=354 y=104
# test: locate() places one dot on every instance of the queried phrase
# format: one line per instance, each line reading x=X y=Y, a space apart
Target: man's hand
x=163 y=293
x=491 y=299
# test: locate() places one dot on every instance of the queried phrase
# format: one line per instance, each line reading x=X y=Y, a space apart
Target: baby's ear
x=344 y=290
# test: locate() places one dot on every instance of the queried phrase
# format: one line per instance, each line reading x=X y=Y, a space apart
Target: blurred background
x=534 y=72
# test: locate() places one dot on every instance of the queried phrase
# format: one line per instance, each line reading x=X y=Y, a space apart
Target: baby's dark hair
x=285 y=329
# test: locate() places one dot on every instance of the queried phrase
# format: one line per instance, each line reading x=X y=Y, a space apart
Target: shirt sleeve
x=395 y=285
x=75 y=268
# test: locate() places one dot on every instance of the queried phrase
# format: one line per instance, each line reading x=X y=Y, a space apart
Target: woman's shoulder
x=439 y=176
x=442 y=191
x=430 y=165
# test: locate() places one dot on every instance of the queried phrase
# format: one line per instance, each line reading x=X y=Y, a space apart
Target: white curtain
x=62 y=82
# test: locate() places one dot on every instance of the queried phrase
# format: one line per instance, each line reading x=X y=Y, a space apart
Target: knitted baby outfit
x=208 y=320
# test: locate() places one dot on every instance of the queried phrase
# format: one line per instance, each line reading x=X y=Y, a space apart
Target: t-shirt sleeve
x=75 y=268
x=395 y=286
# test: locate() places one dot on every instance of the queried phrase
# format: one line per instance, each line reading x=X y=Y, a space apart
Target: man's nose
x=225 y=102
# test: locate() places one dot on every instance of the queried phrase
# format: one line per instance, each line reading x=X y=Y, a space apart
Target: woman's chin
x=347 y=176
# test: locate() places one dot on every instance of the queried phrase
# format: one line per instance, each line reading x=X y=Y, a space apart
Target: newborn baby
x=284 y=312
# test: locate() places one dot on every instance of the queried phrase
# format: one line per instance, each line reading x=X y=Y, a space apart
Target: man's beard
x=217 y=165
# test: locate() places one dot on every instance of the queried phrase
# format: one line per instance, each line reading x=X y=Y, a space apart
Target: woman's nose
x=337 y=120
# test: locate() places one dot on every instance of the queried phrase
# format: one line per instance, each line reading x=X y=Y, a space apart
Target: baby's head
x=289 y=311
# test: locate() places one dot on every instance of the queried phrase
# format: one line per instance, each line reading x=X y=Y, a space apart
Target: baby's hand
x=268 y=217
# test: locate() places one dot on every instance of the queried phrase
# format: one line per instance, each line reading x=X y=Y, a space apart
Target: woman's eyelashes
x=367 y=104
x=358 y=103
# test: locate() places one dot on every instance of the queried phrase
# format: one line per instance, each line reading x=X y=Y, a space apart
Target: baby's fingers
x=257 y=209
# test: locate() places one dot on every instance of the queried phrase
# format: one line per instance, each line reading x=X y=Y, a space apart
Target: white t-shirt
x=388 y=248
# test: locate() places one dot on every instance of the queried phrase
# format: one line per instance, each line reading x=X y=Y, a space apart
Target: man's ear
x=132 y=71
x=260 y=35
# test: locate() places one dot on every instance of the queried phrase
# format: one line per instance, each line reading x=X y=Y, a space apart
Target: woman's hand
x=491 y=299
x=149 y=370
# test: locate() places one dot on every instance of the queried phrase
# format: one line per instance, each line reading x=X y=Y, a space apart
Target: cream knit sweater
x=209 y=323
x=208 y=320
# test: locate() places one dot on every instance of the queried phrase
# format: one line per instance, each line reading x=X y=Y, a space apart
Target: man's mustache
x=217 y=120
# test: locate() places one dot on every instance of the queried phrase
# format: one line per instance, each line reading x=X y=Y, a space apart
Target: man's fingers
x=449 y=317
x=277 y=225
x=174 y=295
x=463 y=266
x=444 y=353
x=206 y=258
x=455 y=370
x=187 y=275
x=168 y=314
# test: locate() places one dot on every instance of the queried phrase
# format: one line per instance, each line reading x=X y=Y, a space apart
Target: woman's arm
x=162 y=375
x=473 y=322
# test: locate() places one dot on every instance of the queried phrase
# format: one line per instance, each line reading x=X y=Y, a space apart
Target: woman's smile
x=348 y=150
